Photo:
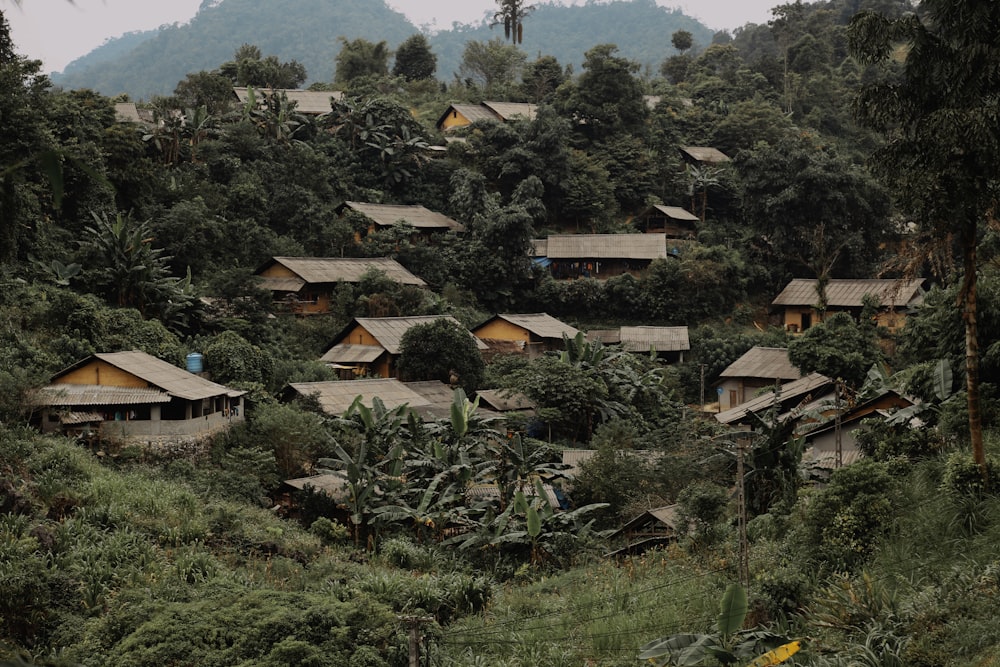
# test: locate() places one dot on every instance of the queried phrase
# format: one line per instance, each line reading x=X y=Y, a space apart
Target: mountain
x=143 y=64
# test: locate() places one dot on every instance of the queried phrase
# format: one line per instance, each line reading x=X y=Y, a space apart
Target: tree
x=249 y=68
x=414 y=59
x=511 y=16
x=541 y=77
x=608 y=98
x=938 y=110
x=838 y=347
x=359 y=58
x=441 y=350
x=491 y=64
x=682 y=40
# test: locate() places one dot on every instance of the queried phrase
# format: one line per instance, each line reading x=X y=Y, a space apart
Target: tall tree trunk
x=967 y=301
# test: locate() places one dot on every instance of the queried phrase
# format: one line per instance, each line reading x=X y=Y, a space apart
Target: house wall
x=454 y=120
x=384 y=366
x=799 y=318
x=102 y=373
x=570 y=269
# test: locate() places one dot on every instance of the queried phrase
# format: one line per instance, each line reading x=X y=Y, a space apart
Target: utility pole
x=741 y=501
x=836 y=428
x=703 y=387
x=414 y=623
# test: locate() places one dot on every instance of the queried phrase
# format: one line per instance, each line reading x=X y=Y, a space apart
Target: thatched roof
x=386 y=215
x=309 y=102
x=320 y=270
x=770 y=363
x=542 y=325
x=606 y=246
x=659 y=339
x=850 y=293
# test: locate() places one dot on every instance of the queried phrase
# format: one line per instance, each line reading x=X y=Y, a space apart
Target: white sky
x=57 y=32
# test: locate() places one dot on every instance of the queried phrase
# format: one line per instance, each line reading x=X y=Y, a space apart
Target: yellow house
x=135 y=396
x=896 y=298
x=370 y=346
x=463 y=115
x=534 y=333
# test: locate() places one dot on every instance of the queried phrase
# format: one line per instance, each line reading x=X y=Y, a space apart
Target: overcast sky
x=57 y=32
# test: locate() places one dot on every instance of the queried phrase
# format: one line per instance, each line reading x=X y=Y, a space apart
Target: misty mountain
x=144 y=64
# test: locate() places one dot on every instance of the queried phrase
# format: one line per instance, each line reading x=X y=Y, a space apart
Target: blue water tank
x=194 y=362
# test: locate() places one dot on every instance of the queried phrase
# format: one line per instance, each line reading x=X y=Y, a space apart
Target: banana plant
x=729 y=645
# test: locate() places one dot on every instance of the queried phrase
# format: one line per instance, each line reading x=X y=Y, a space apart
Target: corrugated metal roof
x=71 y=418
x=850 y=293
x=504 y=401
x=352 y=354
x=660 y=339
x=492 y=492
x=311 y=102
x=471 y=112
x=281 y=284
x=705 y=154
x=677 y=213
x=438 y=395
x=334 y=484
x=542 y=325
x=607 y=246
x=68 y=395
x=337 y=396
x=539 y=247
x=511 y=110
x=388 y=331
x=790 y=391
x=386 y=215
x=171 y=379
x=768 y=363
x=318 y=270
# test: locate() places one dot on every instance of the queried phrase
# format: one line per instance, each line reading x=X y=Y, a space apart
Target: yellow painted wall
x=453 y=120
x=101 y=373
x=503 y=330
x=278 y=271
x=359 y=336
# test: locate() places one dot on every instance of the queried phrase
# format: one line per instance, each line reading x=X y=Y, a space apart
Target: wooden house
x=758 y=368
x=462 y=115
x=790 y=396
x=370 y=346
x=500 y=400
x=673 y=221
x=535 y=333
x=668 y=343
x=653 y=528
x=382 y=216
x=307 y=102
x=570 y=256
x=133 y=396
x=305 y=285
x=797 y=301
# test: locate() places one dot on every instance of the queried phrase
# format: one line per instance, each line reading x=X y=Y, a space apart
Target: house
x=370 y=346
x=758 y=368
x=429 y=400
x=463 y=115
x=652 y=528
x=703 y=156
x=674 y=221
x=500 y=400
x=307 y=102
x=798 y=300
x=128 y=112
x=535 y=333
x=571 y=256
x=305 y=285
x=135 y=397
x=668 y=343
x=789 y=396
x=383 y=216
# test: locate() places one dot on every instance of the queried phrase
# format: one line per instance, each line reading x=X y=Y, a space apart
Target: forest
x=862 y=139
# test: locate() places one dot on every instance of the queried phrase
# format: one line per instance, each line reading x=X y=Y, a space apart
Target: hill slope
x=144 y=64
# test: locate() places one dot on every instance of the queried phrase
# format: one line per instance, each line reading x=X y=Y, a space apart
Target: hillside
x=151 y=63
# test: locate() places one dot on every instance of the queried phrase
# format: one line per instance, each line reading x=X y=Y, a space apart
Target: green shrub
x=330 y=532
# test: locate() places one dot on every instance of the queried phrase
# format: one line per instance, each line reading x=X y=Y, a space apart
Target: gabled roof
x=311 y=102
x=159 y=374
x=666 y=516
x=542 y=325
x=386 y=215
x=128 y=112
x=705 y=154
x=388 y=331
x=850 y=293
x=472 y=112
x=660 y=339
x=319 y=270
x=337 y=396
x=676 y=213
x=503 y=401
x=511 y=110
x=793 y=392
x=347 y=353
x=606 y=246
x=769 y=363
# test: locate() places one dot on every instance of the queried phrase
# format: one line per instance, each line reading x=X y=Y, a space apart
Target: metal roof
x=69 y=395
x=850 y=293
x=318 y=270
x=504 y=401
x=311 y=102
x=335 y=397
x=160 y=374
x=705 y=154
x=660 y=339
x=346 y=353
x=666 y=515
x=795 y=390
x=606 y=246
x=386 y=215
x=471 y=112
x=388 y=331
x=770 y=363
x=539 y=247
x=333 y=484
x=511 y=110
x=542 y=325
x=676 y=213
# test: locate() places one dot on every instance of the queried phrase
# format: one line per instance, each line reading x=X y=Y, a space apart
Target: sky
x=58 y=31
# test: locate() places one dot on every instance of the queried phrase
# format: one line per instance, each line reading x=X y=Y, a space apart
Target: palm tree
x=511 y=17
